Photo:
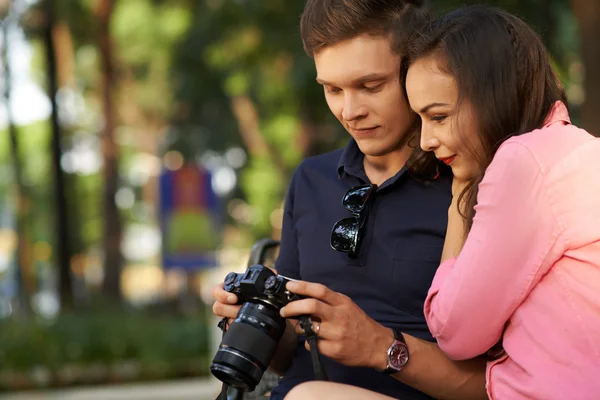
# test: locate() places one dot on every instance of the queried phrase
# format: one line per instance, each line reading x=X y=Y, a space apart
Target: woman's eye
x=438 y=118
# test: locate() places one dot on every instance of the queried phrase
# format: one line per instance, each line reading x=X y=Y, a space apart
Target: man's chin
x=370 y=149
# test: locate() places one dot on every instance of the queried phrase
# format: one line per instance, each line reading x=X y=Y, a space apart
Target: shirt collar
x=558 y=113
x=351 y=161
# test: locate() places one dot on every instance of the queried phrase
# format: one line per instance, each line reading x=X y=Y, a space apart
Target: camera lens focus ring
x=233 y=367
x=244 y=336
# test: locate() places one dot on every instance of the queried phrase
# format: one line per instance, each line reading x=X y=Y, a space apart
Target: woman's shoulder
x=552 y=143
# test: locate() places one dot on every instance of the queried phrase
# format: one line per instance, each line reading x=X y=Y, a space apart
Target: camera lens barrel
x=248 y=345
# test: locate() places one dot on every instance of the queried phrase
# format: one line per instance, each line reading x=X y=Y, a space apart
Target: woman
x=520 y=273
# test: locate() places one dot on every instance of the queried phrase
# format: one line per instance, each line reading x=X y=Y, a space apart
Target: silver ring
x=317 y=328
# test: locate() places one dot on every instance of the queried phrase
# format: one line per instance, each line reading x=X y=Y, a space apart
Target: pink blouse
x=529 y=272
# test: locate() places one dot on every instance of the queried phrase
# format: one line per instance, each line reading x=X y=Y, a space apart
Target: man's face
x=361 y=80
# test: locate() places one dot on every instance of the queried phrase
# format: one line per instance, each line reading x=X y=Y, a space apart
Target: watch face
x=398 y=355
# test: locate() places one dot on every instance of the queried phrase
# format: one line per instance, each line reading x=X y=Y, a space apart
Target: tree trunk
x=62 y=223
x=248 y=121
x=587 y=13
x=112 y=224
x=21 y=200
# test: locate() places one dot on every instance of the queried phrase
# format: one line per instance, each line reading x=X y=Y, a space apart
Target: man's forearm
x=285 y=350
x=430 y=371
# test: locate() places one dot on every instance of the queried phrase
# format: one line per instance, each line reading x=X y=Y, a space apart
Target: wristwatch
x=397 y=354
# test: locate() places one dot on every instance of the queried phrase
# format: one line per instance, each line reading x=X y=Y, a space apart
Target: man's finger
x=325 y=330
x=329 y=348
x=313 y=290
x=220 y=295
x=309 y=306
x=225 y=310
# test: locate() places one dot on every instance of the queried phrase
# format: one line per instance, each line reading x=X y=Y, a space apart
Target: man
x=368 y=297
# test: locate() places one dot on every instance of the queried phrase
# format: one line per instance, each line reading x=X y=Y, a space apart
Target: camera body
x=259 y=283
x=252 y=338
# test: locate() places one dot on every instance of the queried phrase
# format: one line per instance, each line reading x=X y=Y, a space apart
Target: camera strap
x=311 y=337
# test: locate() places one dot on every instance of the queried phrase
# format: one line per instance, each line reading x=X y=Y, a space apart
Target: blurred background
x=145 y=146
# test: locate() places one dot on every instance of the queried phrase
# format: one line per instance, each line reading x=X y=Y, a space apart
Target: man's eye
x=375 y=88
x=330 y=89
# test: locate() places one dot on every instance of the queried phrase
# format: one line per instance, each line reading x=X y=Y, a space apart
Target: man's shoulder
x=326 y=163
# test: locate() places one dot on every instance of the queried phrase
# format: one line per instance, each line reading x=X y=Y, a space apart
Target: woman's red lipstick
x=448 y=160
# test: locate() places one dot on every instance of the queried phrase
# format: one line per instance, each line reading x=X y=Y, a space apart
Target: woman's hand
x=457 y=187
x=456 y=232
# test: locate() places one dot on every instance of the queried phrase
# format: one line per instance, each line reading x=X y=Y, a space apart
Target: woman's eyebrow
x=428 y=106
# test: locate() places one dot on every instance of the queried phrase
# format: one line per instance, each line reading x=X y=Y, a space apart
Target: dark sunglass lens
x=355 y=199
x=344 y=235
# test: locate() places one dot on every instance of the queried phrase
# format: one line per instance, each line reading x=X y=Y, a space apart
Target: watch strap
x=398 y=337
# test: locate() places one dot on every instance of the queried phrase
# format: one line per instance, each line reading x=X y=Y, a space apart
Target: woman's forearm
x=430 y=371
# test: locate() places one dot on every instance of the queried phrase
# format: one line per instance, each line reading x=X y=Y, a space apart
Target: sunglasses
x=347 y=233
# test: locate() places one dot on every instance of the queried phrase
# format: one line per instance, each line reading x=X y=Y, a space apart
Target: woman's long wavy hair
x=501 y=68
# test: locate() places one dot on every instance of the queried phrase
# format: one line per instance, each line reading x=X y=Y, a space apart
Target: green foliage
x=146 y=35
x=263 y=189
x=106 y=338
x=34 y=143
x=250 y=49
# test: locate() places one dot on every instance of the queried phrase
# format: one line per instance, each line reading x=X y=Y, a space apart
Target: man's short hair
x=327 y=22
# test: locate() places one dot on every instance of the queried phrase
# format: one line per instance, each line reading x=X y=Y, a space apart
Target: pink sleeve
x=506 y=252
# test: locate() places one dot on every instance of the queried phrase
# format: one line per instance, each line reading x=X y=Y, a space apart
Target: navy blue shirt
x=389 y=279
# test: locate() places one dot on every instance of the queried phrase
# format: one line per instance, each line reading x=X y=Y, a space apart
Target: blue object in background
x=190 y=218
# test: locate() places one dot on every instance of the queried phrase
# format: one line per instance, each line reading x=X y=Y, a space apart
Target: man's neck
x=381 y=168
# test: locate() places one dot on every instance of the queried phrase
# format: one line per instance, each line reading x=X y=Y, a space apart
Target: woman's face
x=448 y=130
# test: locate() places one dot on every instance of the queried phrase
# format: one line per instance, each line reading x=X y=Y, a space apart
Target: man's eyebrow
x=428 y=106
x=363 y=79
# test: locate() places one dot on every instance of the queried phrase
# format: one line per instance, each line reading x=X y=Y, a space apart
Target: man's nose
x=353 y=108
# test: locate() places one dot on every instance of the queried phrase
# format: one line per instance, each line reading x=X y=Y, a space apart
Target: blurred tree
x=112 y=223
x=242 y=74
x=21 y=199
x=146 y=34
x=54 y=68
x=587 y=13
x=61 y=217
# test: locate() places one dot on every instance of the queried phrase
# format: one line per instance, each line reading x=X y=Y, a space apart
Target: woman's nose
x=428 y=141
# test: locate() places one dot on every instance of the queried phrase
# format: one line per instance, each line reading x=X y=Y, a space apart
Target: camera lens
x=248 y=345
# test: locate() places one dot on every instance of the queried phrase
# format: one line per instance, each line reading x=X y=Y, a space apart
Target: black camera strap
x=311 y=337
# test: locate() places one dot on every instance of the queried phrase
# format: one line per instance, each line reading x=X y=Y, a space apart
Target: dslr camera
x=252 y=338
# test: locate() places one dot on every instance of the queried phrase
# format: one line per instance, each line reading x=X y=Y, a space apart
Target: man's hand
x=225 y=304
x=346 y=334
